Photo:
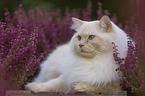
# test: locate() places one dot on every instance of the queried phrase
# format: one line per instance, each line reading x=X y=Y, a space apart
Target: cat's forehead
x=89 y=28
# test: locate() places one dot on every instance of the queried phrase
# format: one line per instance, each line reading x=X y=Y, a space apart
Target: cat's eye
x=91 y=37
x=79 y=37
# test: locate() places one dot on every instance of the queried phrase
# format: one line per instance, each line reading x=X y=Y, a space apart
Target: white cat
x=86 y=63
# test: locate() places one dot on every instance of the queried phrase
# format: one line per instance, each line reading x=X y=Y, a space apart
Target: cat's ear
x=77 y=23
x=105 y=24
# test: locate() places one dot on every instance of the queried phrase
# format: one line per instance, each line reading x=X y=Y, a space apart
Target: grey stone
x=73 y=93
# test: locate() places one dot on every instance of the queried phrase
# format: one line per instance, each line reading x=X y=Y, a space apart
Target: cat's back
x=59 y=52
x=55 y=58
x=49 y=67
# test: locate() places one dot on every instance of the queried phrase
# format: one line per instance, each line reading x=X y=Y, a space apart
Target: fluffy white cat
x=86 y=63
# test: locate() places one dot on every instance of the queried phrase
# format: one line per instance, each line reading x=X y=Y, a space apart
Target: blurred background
x=120 y=7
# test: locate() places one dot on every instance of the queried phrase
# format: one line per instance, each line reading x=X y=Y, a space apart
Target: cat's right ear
x=77 y=23
x=105 y=24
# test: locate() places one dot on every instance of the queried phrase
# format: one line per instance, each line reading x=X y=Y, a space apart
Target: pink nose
x=81 y=45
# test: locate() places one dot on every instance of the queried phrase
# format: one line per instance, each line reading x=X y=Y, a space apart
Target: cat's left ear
x=77 y=23
x=105 y=24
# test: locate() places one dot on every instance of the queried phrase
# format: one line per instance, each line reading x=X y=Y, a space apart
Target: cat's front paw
x=33 y=87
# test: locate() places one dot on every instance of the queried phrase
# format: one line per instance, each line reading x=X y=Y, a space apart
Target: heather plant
x=17 y=56
x=54 y=28
x=134 y=66
x=133 y=79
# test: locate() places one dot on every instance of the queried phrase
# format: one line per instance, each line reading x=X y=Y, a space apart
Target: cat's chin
x=86 y=54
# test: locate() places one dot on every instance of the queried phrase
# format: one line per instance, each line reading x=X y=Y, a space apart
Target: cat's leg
x=51 y=85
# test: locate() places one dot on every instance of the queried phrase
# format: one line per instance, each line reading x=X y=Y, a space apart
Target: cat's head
x=93 y=37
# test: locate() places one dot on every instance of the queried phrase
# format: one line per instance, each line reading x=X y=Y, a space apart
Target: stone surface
x=73 y=93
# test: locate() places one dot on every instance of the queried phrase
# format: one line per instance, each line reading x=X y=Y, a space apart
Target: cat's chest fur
x=93 y=71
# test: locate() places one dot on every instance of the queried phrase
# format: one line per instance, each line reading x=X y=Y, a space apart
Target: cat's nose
x=81 y=45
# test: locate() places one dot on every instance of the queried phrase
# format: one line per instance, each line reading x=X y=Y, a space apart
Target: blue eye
x=79 y=37
x=91 y=37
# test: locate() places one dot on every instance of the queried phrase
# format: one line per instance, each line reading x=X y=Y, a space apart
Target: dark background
x=120 y=7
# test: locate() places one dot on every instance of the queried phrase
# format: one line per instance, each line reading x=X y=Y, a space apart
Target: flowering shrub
x=134 y=67
x=17 y=55
x=24 y=37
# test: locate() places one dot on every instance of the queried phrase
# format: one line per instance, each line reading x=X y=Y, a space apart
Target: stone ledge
x=73 y=93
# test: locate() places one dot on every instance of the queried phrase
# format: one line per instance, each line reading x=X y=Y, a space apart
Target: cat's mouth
x=84 y=51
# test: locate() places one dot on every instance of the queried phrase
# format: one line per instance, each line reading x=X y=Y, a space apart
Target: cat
x=86 y=63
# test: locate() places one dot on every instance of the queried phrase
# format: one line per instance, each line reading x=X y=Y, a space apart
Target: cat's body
x=86 y=63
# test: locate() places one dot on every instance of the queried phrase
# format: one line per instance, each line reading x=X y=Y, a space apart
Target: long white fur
x=63 y=67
